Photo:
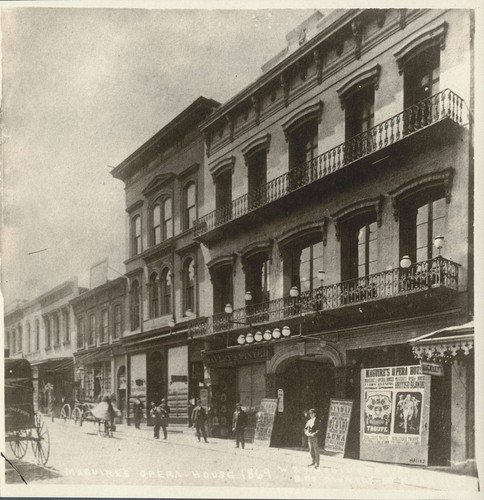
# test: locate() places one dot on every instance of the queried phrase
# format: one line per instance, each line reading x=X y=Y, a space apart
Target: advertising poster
x=138 y=375
x=338 y=424
x=265 y=421
x=395 y=404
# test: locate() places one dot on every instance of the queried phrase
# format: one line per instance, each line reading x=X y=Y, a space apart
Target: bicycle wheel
x=65 y=412
x=77 y=416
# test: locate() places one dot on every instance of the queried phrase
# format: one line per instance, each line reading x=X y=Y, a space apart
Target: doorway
x=306 y=384
x=156 y=379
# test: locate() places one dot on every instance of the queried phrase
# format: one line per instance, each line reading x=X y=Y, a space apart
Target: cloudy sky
x=82 y=89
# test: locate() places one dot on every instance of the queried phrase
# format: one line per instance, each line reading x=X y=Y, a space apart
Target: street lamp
x=229 y=309
x=286 y=331
x=321 y=276
x=294 y=292
x=267 y=335
x=249 y=338
x=439 y=243
x=276 y=333
x=241 y=339
x=248 y=296
x=171 y=324
x=258 y=336
x=405 y=263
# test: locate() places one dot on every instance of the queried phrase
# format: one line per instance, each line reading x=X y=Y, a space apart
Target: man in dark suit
x=165 y=414
x=155 y=414
x=239 y=423
x=199 y=417
x=311 y=429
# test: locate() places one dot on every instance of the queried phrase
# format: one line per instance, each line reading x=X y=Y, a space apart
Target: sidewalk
x=403 y=475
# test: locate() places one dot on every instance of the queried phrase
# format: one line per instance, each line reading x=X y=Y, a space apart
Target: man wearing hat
x=165 y=413
x=239 y=423
x=199 y=417
x=155 y=415
x=311 y=429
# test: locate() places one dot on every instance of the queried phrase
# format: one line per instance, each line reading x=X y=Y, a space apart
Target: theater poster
x=395 y=406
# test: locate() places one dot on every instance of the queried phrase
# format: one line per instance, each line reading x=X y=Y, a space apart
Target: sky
x=81 y=90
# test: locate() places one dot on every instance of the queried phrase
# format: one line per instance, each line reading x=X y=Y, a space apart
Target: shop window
x=65 y=320
x=166 y=291
x=37 y=335
x=136 y=235
x=257 y=178
x=223 y=293
x=189 y=206
x=154 y=296
x=223 y=196
x=422 y=218
x=189 y=285
x=135 y=305
x=117 y=321
x=104 y=326
x=81 y=332
x=251 y=386
x=91 y=339
x=29 y=340
x=303 y=147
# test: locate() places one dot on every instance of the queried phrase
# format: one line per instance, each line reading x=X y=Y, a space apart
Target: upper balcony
x=439 y=115
x=380 y=296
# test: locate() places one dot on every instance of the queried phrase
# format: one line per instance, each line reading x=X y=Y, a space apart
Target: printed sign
x=280 y=400
x=436 y=369
x=265 y=421
x=338 y=424
x=395 y=403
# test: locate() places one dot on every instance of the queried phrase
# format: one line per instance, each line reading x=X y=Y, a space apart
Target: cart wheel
x=77 y=415
x=41 y=443
x=18 y=443
x=65 y=412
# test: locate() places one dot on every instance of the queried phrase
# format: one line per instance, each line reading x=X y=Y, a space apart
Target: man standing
x=138 y=412
x=155 y=414
x=199 y=417
x=239 y=423
x=311 y=429
x=165 y=413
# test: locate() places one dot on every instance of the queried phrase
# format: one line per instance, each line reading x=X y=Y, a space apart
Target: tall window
x=189 y=285
x=136 y=235
x=117 y=321
x=7 y=341
x=154 y=296
x=156 y=224
x=56 y=329
x=92 y=330
x=167 y=219
x=360 y=111
x=65 y=320
x=48 y=333
x=223 y=290
x=29 y=339
x=166 y=291
x=37 y=334
x=104 y=326
x=20 y=339
x=256 y=279
x=257 y=177
x=13 y=342
x=422 y=76
x=223 y=196
x=359 y=247
x=422 y=218
x=303 y=144
x=81 y=332
x=189 y=206
x=305 y=260
x=135 y=306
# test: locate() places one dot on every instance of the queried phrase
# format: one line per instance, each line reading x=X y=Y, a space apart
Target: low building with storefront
x=43 y=331
x=165 y=270
x=337 y=227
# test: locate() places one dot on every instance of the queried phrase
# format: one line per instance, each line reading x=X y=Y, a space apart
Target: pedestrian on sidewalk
x=155 y=414
x=138 y=408
x=311 y=429
x=239 y=423
x=165 y=414
x=199 y=417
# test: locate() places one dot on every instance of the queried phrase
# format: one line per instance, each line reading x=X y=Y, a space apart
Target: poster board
x=265 y=422
x=338 y=424
x=394 y=417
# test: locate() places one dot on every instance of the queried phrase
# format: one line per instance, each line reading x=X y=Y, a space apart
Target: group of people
x=197 y=419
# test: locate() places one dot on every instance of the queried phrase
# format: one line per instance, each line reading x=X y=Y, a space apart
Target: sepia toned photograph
x=237 y=251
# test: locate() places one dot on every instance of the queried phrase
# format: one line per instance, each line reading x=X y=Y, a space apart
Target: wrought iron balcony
x=437 y=273
x=444 y=105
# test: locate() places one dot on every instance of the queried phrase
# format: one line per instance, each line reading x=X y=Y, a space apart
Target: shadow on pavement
x=29 y=471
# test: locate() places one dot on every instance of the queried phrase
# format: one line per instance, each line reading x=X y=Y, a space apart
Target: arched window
x=118 y=318
x=156 y=224
x=28 y=347
x=165 y=291
x=154 y=296
x=135 y=306
x=136 y=235
x=167 y=219
x=189 y=206
x=189 y=285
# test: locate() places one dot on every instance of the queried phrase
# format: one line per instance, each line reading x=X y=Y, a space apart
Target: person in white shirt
x=311 y=429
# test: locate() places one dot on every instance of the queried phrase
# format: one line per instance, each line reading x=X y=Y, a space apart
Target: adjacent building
x=337 y=223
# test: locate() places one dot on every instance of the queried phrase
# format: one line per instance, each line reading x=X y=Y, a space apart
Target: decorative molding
x=318 y=59
x=444 y=350
x=135 y=206
x=207 y=135
x=231 y=124
x=381 y=17
x=255 y=99
x=442 y=178
x=358 y=208
x=256 y=248
x=190 y=170
x=419 y=43
x=260 y=142
x=311 y=112
x=222 y=261
x=290 y=236
x=324 y=229
x=222 y=165
x=364 y=78
x=402 y=18
x=357 y=36
x=285 y=87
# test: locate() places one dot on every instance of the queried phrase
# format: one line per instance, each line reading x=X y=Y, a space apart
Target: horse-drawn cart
x=22 y=423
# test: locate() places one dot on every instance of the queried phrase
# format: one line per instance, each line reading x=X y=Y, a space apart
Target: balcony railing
x=443 y=105
x=425 y=275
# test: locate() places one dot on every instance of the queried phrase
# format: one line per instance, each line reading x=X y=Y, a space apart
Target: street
x=78 y=455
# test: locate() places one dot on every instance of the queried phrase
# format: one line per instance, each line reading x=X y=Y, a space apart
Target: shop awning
x=55 y=364
x=93 y=356
x=446 y=344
